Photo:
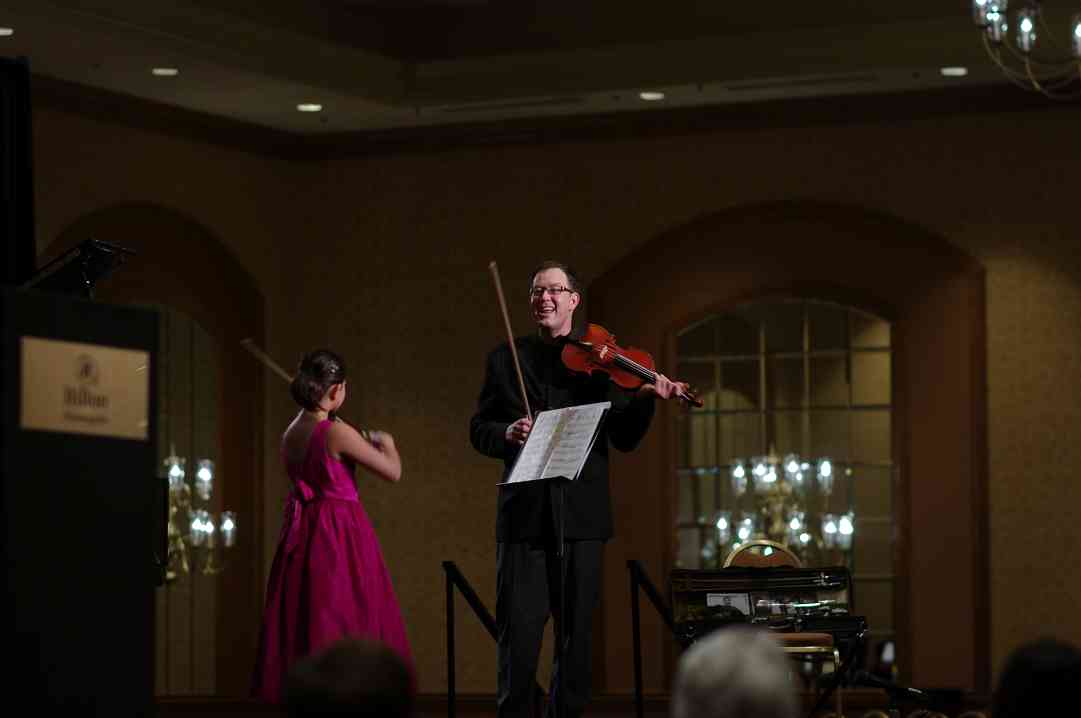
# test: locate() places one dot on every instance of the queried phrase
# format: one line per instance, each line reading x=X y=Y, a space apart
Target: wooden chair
x=800 y=646
x=762 y=553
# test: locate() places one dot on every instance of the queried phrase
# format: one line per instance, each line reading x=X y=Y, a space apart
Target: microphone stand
x=897 y=693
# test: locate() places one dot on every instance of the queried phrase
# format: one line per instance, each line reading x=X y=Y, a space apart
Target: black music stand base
x=559 y=705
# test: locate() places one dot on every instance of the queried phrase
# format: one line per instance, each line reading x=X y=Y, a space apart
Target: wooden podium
x=80 y=512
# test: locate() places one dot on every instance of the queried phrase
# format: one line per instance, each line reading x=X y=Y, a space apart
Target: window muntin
x=791 y=377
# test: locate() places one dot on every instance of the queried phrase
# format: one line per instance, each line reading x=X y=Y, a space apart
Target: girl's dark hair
x=318 y=371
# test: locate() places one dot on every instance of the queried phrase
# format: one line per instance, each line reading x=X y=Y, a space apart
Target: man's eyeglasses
x=538 y=292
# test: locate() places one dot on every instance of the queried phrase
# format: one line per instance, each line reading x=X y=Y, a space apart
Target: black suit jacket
x=529 y=511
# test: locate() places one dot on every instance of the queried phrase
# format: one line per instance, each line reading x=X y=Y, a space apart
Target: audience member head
x=318 y=371
x=735 y=672
x=1039 y=678
x=355 y=677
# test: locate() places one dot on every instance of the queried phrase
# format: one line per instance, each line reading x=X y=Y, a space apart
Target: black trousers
x=527 y=592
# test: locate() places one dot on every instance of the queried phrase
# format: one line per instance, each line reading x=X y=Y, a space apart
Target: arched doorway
x=214 y=303
x=933 y=296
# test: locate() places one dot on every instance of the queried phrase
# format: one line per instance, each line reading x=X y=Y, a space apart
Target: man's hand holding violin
x=664 y=388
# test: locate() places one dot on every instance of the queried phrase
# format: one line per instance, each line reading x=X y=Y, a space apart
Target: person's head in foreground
x=353 y=677
x=1039 y=678
x=735 y=672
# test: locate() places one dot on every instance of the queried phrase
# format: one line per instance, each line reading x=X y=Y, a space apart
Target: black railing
x=455 y=578
x=640 y=580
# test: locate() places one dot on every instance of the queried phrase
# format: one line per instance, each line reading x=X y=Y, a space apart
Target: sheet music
x=559 y=443
x=575 y=432
x=534 y=455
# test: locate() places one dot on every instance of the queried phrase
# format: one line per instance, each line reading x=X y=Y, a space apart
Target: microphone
x=862 y=677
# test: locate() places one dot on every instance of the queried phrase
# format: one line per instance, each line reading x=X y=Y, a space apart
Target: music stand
x=76 y=271
x=561 y=483
x=556 y=450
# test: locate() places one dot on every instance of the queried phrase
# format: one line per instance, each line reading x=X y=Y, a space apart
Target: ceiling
x=384 y=64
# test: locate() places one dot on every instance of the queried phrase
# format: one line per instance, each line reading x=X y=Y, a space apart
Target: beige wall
x=385 y=259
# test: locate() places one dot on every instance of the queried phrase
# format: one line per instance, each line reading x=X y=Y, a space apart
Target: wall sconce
x=782 y=496
x=1035 y=56
x=723 y=522
x=825 y=476
x=204 y=479
x=746 y=529
x=738 y=478
x=192 y=532
x=837 y=530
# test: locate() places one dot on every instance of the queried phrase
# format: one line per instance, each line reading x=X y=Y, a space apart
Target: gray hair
x=735 y=672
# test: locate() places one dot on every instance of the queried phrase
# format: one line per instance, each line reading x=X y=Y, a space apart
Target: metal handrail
x=640 y=580
x=456 y=578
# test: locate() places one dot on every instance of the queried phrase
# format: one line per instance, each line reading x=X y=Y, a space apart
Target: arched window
x=708 y=281
x=793 y=443
x=189 y=424
x=211 y=409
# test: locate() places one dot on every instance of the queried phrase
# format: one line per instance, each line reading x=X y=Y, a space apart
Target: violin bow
x=262 y=356
x=259 y=354
x=510 y=335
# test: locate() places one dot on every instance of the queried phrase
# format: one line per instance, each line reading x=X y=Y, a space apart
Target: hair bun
x=317 y=371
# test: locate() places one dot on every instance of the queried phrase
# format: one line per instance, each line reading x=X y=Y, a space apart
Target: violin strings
x=634 y=366
x=643 y=372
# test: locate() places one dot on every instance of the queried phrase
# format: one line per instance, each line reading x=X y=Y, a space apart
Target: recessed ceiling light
x=954 y=71
x=7 y=31
x=309 y=107
x=165 y=71
x=651 y=96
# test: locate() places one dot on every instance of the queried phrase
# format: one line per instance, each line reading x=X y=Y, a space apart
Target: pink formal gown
x=328 y=580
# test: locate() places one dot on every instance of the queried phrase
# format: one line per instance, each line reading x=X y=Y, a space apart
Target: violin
x=628 y=368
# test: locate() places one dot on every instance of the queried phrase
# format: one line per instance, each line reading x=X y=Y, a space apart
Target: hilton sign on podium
x=78 y=388
x=79 y=511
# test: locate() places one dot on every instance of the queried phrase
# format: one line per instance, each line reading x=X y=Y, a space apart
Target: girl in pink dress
x=328 y=580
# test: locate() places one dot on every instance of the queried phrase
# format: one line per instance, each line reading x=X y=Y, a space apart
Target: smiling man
x=528 y=563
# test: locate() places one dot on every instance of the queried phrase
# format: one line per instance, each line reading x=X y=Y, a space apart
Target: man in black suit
x=528 y=563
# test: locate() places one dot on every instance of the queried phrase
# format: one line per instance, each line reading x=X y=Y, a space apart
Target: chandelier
x=1018 y=38
x=192 y=532
x=785 y=501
